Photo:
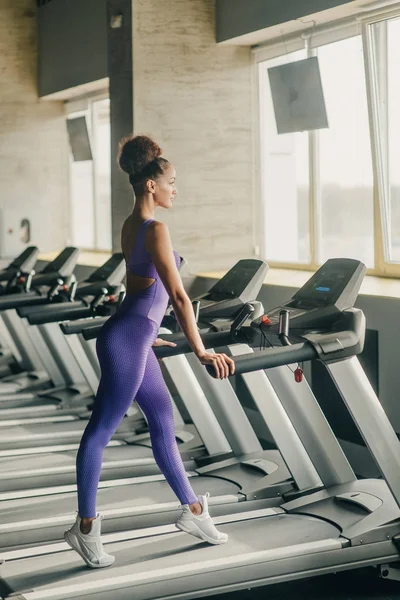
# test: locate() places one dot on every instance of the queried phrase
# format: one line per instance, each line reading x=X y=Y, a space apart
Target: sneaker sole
x=72 y=541
x=193 y=529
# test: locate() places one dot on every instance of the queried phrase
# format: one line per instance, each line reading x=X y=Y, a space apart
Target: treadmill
x=104 y=283
x=252 y=479
x=244 y=281
x=71 y=388
x=350 y=523
x=133 y=456
x=16 y=277
x=43 y=286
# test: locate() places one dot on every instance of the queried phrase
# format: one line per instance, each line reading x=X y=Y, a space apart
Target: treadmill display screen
x=234 y=282
x=110 y=266
x=59 y=262
x=326 y=286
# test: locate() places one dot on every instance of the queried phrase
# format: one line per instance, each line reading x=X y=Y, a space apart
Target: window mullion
x=379 y=158
x=315 y=196
x=94 y=173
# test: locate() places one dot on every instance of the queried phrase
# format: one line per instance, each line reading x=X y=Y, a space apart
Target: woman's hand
x=223 y=365
x=161 y=342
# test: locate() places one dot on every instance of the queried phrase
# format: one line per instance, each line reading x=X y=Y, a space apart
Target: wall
x=195 y=98
x=121 y=118
x=73 y=44
x=33 y=141
x=235 y=17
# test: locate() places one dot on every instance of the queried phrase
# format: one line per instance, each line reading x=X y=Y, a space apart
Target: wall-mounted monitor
x=79 y=139
x=298 y=97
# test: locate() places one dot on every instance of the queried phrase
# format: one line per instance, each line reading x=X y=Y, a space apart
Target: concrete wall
x=235 y=17
x=33 y=139
x=73 y=44
x=120 y=74
x=195 y=98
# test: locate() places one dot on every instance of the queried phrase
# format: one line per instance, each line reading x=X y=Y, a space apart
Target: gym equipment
x=43 y=286
x=132 y=455
x=348 y=524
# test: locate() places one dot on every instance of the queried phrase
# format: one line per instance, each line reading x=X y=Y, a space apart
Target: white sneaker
x=201 y=526
x=89 y=545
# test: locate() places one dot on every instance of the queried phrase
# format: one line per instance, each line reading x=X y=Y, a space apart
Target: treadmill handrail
x=272 y=357
x=26 y=312
x=79 y=310
x=10 y=301
x=73 y=327
x=210 y=340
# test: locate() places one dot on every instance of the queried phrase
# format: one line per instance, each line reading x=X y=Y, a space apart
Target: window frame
x=310 y=40
x=83 y=106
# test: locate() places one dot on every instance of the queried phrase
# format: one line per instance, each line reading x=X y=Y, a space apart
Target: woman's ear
x=151 y=186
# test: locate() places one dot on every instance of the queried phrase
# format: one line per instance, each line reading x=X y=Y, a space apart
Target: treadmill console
x=109 y=276
x=25 y=261
x=64 y=263
x=112 y=271
x=331 y=290
x=241 y=284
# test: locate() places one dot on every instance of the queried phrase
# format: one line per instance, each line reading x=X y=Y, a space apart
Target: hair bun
x=136 y=152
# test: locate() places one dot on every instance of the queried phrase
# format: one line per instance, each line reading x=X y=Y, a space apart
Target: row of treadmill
x=280 y=483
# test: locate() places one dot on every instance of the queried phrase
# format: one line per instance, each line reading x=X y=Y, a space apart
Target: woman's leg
x=122 y=352
x=154 y=400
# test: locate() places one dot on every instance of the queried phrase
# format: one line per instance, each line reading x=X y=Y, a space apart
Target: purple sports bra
x=151 y=302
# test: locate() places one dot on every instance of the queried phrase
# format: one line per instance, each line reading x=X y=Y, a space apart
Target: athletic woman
x=129 y=368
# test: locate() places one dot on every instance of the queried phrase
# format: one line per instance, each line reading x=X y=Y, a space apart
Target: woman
x=129 y=367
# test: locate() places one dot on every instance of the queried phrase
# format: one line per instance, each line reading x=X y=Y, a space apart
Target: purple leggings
x=129 y=370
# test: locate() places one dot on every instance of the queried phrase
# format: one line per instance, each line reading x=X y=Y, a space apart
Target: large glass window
x=344 y=156
x=341 y=191
x=393 y=93
x=285 y=181
x=91 y=175
x=102 y=173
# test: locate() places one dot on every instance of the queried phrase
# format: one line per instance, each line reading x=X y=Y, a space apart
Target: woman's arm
x=158 y=243
x=160 y=247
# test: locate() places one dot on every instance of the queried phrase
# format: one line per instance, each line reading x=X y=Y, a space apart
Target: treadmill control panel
x=234 y=282
x=64 y=263
x=111 y=271
x=107 y=277
x=331 y=290
x=241 y=284
x=25 y=261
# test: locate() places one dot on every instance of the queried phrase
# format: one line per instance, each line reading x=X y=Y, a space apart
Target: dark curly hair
x=140 y=157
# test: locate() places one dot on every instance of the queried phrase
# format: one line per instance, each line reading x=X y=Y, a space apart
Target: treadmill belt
x=31 y=435
x=62 y=459
x=44 y=509
x=160 y=565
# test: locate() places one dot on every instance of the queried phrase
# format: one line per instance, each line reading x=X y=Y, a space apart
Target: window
x=102 y=172
x=383 y=54
x=285 y=181
x=388 y=57
x=344 y=156
x=90 y=171
x=336 y=192
x=393 y=121
x=341 y=191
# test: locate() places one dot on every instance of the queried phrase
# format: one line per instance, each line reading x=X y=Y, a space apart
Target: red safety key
x=298 y=375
